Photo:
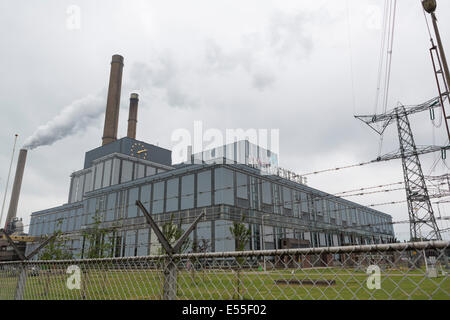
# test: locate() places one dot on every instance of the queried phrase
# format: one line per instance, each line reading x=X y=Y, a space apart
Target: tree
x=98 y=246
x=56 y=248
x=241 y=235
x=173 y=232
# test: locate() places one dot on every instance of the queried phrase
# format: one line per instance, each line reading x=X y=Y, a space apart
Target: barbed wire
x=294 y=232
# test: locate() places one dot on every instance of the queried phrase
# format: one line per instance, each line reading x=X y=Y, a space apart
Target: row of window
x=143 y=242
x=231 y=188
x=108 y=173
x=242 y=152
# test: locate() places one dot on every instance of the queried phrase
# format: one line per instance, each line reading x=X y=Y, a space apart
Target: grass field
x=222 y=284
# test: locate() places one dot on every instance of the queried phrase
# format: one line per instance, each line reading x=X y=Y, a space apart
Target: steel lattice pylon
x=421 y=216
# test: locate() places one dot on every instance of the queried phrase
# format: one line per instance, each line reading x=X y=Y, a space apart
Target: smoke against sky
x=72 y=119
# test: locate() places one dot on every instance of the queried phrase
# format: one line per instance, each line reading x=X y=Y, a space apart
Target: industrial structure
x=14 y=229
x=222 y=182
x=423 y=224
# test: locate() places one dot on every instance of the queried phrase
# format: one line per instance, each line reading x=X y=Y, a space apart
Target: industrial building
x=280 y=212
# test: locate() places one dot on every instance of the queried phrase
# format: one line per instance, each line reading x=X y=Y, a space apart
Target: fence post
x=20 y=289
x=170 y=280
x=170 y=267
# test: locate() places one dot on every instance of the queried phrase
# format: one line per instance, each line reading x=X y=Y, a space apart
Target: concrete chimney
x=132 y=118
x=12 y=212
x=113 y=102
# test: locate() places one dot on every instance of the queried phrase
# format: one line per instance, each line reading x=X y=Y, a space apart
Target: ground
x=222 y=284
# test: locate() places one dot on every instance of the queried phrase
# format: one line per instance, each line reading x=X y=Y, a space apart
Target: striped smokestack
x=132 y=119
x=12 y=212
x=113 y=102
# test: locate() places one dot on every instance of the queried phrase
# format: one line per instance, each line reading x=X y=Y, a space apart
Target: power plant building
x=226 y=184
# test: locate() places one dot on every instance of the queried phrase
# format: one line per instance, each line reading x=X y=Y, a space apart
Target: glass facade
x=233 y=189
x=187 y=192
x=204 y=188
x=223 y=186
x=172 y=195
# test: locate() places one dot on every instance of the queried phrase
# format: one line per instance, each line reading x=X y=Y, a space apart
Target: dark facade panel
x=129 y=147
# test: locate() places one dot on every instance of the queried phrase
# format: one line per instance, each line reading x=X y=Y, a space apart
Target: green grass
x=220 y=284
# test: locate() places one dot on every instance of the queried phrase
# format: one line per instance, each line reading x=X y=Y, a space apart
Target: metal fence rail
x=388 y=271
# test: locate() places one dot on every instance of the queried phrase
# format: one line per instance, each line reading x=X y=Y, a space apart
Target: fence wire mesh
x=389 y=271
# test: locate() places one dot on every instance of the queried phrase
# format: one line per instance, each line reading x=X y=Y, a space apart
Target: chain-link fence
x=388 y=271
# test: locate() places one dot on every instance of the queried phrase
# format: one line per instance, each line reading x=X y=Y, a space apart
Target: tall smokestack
x=132 y=119
x=113 y=102
x=12 y=212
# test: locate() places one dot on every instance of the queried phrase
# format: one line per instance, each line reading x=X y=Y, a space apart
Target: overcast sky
x=283 y=65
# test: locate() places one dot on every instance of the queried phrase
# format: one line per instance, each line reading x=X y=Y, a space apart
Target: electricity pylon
x=421 y=216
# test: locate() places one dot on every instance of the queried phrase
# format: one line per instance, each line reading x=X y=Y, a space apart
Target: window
x=115 y=172
x=107 y=174
x=204 y=189
x=287 y=198
x=150 y=171
x=133 y=195
x=80 y=188
x=51 y=223
x=45 y=224
x=69 y=221
x=121 y=204
x=266 y=192
x=77 y=218
x=224 y=193
x=158 y=197
x=297 y=204
x=98 y=175
x=89 y=182
x=90 y=211
x=172 y=195
x=187 y=192
x=74 y=187
x=145 y=198
x=224 y=240
x=130 y=243
x=332 y=210
x=204 y=231
x=110 y=207
x=318 y=206
x=33 y=225
x=127 y=171
x=277 y=198
x=241 y=185
x=64 y=221
x=142 y=242
x=140 y=171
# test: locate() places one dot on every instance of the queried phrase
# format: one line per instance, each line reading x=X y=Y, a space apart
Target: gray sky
x=231 y=64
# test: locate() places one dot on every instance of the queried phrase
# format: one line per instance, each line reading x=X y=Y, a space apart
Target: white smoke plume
x=72 y=119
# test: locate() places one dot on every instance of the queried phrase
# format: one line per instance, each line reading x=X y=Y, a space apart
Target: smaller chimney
x=132 y=119
x=12 y=211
